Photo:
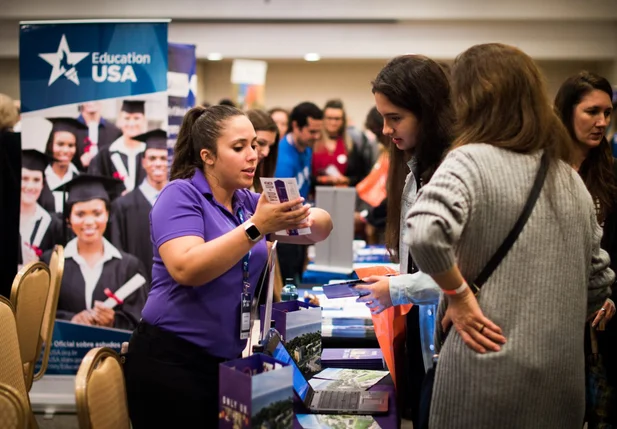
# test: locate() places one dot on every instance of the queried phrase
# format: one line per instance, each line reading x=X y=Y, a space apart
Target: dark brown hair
x=262 y=121
x=417 y=84
x=597 y=169
x=49 y=146
x=500 y=99
x=201 y=128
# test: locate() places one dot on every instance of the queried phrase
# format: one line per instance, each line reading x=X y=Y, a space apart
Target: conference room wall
x=290 y=82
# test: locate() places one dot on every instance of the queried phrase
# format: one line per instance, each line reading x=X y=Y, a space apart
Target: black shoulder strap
x=507 y=244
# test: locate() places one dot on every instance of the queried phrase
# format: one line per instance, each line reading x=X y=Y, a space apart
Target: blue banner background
x=71 y=342
x=182 y=61
x=113 y=38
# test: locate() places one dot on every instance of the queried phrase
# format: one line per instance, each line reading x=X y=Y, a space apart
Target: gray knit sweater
x=554 y=276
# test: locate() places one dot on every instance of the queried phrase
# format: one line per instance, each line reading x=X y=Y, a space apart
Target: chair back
x=56 y=269
x=100 y=391
x=29 y=296
x=11 y=366
x=13 y=411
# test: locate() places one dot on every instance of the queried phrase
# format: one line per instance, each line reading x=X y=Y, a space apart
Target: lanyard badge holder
x=245 y=296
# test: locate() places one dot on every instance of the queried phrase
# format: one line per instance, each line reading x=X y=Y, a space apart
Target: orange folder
x=390 y=326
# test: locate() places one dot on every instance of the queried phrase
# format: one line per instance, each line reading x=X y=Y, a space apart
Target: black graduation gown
x=108 y=133
x=116 y=272
x=10 y=194
x=103 y=165
x=54 y=235
x=46 y=199
x=130 y=227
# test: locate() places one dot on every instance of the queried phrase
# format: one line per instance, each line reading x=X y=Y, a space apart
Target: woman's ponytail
x=185 y=160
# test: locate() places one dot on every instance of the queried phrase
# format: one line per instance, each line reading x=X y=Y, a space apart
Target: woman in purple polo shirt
x=209 y=250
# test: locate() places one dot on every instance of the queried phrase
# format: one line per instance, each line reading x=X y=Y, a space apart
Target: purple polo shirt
x=207 y=315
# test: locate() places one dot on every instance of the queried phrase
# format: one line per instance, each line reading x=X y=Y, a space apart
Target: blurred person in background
x=281 y=117
x=338 y=159
x=584 y=104
x=267 y=145
x=370 y=215
x=294 y=161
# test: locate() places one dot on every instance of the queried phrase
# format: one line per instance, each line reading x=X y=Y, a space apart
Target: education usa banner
x=94 y=101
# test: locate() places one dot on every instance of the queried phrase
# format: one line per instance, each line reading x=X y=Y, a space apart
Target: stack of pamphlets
x=352 y=358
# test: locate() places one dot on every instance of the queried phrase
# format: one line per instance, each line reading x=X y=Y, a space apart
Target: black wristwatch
x=252 y=232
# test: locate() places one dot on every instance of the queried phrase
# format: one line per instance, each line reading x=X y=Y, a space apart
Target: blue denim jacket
x=419 y=288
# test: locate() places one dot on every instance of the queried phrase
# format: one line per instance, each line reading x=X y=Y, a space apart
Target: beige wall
x=9 y=77
x=290 y=82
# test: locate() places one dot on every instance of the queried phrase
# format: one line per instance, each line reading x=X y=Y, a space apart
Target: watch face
x=253 y=232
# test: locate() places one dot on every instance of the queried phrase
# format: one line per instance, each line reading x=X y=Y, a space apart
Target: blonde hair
x=9 y=114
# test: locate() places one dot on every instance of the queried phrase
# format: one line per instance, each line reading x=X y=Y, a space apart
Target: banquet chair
x=100 y=391
x=11 y=366
x=29 y=295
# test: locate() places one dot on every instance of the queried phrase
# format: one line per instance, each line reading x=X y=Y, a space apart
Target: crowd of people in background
x=442 y=164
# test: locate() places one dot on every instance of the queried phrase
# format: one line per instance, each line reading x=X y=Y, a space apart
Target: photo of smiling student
x=62 y=147
x=38 y=229
x=92 y=264
x=122 y=159
x=130 y=226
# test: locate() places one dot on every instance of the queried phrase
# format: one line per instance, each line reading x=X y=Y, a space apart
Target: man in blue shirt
x=295 y=149
x=294 y=160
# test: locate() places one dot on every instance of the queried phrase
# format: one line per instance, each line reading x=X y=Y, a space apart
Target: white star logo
x=63 y=62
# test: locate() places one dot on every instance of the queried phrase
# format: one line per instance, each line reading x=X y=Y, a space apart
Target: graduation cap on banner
x=155 y=139
x=66 y=124
x=34 y=160
x=133 y=106
x=86 y=187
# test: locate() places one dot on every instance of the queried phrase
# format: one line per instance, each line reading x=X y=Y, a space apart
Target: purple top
x=207 y=315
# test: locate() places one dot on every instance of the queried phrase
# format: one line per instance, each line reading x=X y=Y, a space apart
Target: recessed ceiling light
x=312 y=57
x=215 y=56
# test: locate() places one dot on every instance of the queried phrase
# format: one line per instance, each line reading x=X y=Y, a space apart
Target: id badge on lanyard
x=245 y=296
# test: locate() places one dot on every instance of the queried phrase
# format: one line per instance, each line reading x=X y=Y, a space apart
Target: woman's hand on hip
x=477 y=331
x=272 y=217
x=376 y=293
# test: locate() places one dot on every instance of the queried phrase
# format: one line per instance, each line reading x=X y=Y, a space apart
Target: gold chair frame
x=25 y=400
x=12 y=396
x=30 y=352
x=88 y=366
x=56 y=269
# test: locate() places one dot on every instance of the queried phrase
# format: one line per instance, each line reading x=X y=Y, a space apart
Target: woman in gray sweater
x=515 y=356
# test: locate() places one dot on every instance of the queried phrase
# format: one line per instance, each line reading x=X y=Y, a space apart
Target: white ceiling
x=350 y=29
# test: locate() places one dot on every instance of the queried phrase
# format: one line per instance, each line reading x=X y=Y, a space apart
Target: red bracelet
x=456 y=291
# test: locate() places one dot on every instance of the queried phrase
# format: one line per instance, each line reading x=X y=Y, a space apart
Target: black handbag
x=429 y=379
